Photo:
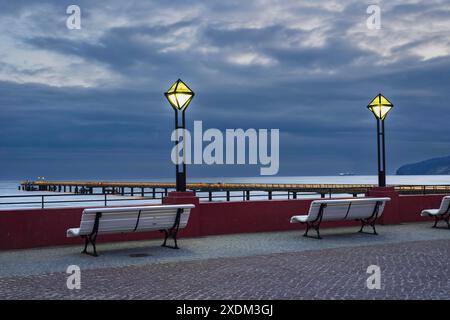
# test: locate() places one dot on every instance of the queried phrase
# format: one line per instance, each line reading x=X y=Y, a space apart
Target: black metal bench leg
x=165 y=238
x=176 y=244
x=316 y=228
x=374 y=230
x=362 y=226
x=92 y=240
x=86 y=242
x=318 y=232
x=172 y=234
x=307 y=230
x=370 y=223
x=436 y=220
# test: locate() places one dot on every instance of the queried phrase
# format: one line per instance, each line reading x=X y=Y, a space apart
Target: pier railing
x=44 y=200
x=49 y=200
x=126 y=195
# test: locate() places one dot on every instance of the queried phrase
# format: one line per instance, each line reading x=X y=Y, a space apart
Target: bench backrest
x=346 y=209
x=134 y=219
x=445 y=203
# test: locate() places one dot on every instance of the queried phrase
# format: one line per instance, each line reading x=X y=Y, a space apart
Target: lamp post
x=380 y=107
x=180 y=96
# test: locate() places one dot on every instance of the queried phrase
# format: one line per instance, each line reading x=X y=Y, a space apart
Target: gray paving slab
x=138 y=253
x=408 y=270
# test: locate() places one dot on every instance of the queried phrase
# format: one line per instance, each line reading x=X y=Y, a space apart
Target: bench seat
x=443 y=213
x=365 y=210
x=165 y=218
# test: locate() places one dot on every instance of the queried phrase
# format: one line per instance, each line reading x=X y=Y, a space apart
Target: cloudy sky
x=89 y=103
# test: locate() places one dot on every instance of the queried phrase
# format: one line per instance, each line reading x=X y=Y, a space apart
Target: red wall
x=411 y=206
x=47 y=227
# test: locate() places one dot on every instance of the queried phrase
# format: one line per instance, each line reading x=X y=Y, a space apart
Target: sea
x=13 y=198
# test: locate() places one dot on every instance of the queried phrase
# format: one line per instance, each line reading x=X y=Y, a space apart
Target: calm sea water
x=10 y=188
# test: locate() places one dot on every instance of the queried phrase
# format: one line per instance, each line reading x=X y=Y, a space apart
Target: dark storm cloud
x=315 y=94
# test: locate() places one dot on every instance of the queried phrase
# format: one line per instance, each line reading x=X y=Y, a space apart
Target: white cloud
x=408 y=33
x=247 y=59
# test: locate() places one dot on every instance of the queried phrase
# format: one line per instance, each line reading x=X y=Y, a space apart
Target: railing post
x=42 y=202
x=228 y=195
x=106 y=204
x=269 y=195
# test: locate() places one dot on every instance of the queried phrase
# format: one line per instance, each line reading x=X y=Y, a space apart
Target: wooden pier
x=160 y=189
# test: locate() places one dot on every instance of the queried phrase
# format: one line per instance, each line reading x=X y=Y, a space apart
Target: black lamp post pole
x=381 y=154
x=180 y=168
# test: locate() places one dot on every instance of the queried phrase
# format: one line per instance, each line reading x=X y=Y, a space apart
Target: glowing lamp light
x=179 y=95
x=380 y=107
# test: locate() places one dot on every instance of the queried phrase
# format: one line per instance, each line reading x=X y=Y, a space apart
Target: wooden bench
x=365 y=210
x=443 y=213
x=165 y=218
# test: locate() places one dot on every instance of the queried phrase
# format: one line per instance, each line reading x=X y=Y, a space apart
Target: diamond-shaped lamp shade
x=380 y=106
x=179 y=95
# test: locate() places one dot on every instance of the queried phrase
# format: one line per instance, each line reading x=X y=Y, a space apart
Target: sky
x=89 y=103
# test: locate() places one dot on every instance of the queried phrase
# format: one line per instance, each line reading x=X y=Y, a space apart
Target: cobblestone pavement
x=411 y=270
x=120 y=254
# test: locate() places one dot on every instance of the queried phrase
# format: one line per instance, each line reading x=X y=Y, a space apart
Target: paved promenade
x=414 y=260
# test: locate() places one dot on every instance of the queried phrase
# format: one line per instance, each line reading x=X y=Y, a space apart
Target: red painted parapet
x=47 y=227
x=177 y=197
x=391 y=213
x=409 y=206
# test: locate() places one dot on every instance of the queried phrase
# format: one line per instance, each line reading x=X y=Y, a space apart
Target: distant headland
x=434 y=166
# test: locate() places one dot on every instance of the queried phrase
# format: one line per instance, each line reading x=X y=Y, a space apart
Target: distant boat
x=346 y=174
